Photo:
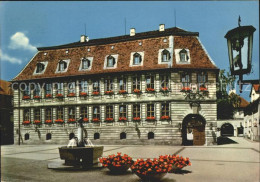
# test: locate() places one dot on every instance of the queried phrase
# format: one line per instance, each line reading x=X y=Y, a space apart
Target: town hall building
x=155 y=87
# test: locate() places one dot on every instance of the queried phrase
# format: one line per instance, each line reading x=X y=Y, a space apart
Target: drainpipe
x=19 y=128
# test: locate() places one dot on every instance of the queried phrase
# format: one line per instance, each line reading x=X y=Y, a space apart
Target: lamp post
x=240 y=46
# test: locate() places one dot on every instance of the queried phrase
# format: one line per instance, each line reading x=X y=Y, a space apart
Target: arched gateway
x=193 y=130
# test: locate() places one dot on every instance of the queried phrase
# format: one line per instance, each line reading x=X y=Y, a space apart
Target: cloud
x=20 y=41
x=5 y=57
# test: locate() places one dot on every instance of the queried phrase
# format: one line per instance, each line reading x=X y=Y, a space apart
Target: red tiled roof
x=123 y=46
x=5 y=88
x=243 y=102
x=256 y=88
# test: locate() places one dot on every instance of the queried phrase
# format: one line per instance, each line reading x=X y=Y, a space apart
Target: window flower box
x=150 y=118
x=110 y=92
x=26 y=97
x=150 y=90
x=165 y=118
x=186 y=89
x=37 y=122
x=71 y=95
x=164 y=90
x=48 y=96
x=26 y=122
x=95 y=120
x=95 y=93
x=137 y=91
x=122 y=92
x=72 y=121
x=59 y=121
x=37 y=97
x=123 y=119
x=83 y=94
x=204 y=90
x=48 y=121
x=59 y=96
x=85 y=120
x=137 y=119
x=109 y=119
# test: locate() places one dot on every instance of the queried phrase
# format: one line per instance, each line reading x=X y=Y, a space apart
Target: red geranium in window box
x=150 y=90
x=48 y=96
x=83 y=94
x=26 y=122
x=122 y=119
x=95 y=93
x=109 y=119
x=122 y=92
x=110 y=92
x=185 y=89
x=165 y=117
x=85 y=120
x=203 y=89
x=95 y=120
x=72 y=120
x=26 y=97
x=136 y=118
x=71 y=95
x=151 y=118
x=37 y=122
x=48 y=121
x=59 y=121
x=59 y=95
x=137 y=91
x=164 y=89
x=37 y=97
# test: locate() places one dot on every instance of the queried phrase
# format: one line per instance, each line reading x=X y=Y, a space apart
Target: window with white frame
x=182 y=56
x=84 y=112
x=37 y=114
x=96 y=87
x=122 y=83
x=109 y=112
x=37 y=90
x=26 y=115
x=185 y=80
x=165 y=56
x=136 y=111
x=96 y=112
x=150 y=81
x=202 y=79
x=26 y=90
x=165 y=110
x=84 y=86
x=85 y=64
x=59 y=88
x=48 y=114
x=60 y=113
x=137 y=82
x=165 y=81
x=72 y=113
x=122 y=111
x=71 y=88
x=40 y=67
x=108 y=85
x=150 y=111
x=62 y=66
x=48 y=89
x=110 y=61
x=137 y=59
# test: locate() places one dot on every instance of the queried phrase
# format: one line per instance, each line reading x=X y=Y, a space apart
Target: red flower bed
x=109 y=119
x=136 y=118
x=36 y=97
x=165 y=117
x=185 y=89
x=110 y=92
x=150 y=90
x=85 y=120
x=72 y=120
x=83 y=94
x=26 y=97
x=37 y=122
x=122 y=92
x=137 y=91
x=95 y=120
x=71 y=95
x=59 y=95
x=122 y=119
x=95 y=93
x=48 y=121
x=26 y=122
x=117 y=163
x=177 y=162
x=48 y=96
x=59 y=121
x=152 y=118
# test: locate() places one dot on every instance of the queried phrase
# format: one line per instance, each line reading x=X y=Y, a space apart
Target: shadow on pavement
x=109 y=173
x=181 y=172
x=225 y=140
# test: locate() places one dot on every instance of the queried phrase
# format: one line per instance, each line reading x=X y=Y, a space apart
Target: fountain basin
x=81 y=156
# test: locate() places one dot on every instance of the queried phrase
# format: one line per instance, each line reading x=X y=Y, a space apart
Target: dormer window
x=85 y=63
x=137 y=58
x=166 y=56
x=40 y=67
x=63 y=66
x=110 y=61
x=183 y=55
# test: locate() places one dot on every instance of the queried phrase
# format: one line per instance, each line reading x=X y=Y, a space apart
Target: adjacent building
x=156 y=87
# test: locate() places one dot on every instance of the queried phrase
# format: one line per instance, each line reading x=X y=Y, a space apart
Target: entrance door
x=198 y=135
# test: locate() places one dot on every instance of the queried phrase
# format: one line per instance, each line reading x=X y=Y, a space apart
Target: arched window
x=137 y=59
x=166 y=56
x=62 y=66
x=40 y=67
x=122 y=135
x=27 y=136
x=48 y=136
x=150 y=135
x=183 y=55
x=72 y=135
x=110 y=61
x=85 y=63
x=96 y=136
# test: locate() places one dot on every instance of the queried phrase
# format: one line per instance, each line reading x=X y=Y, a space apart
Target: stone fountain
x=79 y=155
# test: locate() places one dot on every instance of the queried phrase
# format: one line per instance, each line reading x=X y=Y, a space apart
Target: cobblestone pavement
x=237 y=161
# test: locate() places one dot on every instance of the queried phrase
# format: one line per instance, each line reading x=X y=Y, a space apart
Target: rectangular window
x=108 y=85
x=96 y=86
x=150 y=110
x=72 y=114
x=27 y=90
x=37 y=114
x=84 y=112
x=60 y=89
x=165 y=81
x=185 y=79
x=109 y=112
x=150 y=81
x=183 y=57
x=26 y=115
x=60 y=113
x=96 y=112
x=71 y=88
x=165 y=111
x=48 y=88
x=84 y=86
x=122 y=111
x=48 y=114
x=37 y=90
x=136 y=111
x=110 y=62
x=202 y=80
x=122 y=83
x=136 y=83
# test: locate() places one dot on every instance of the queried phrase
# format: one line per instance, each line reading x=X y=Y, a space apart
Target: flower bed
x=95 y=93
x=26 y=122
x=165 y=118
x=71 y=95
x=95 y=120
x=150 y=90
x=37 y=122
x=83 y=94
x=117 y=163
x=26 y=97
x=122 y=119
x=177 y=162
x=122 y=92
x=109 y=119
x=48 y=96
x=110 y=92
x=72 y=121
x=59 y=96
x=136 y=119
x=48 y=122
x=59 y=121
x=137 y=91
x=37 y=97
x=151 y=118
x=186 y=89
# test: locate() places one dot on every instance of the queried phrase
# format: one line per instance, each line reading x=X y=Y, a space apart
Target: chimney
x=161 y=27
x=83 y=38
x=132 y=32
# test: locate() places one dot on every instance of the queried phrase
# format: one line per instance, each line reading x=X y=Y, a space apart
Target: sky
x=24 y=26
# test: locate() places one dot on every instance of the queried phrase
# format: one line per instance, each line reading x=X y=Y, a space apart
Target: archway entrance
x=193 y=130
x=227 y=130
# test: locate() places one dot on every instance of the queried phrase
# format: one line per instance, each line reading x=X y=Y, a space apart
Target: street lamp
x=240 y=46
